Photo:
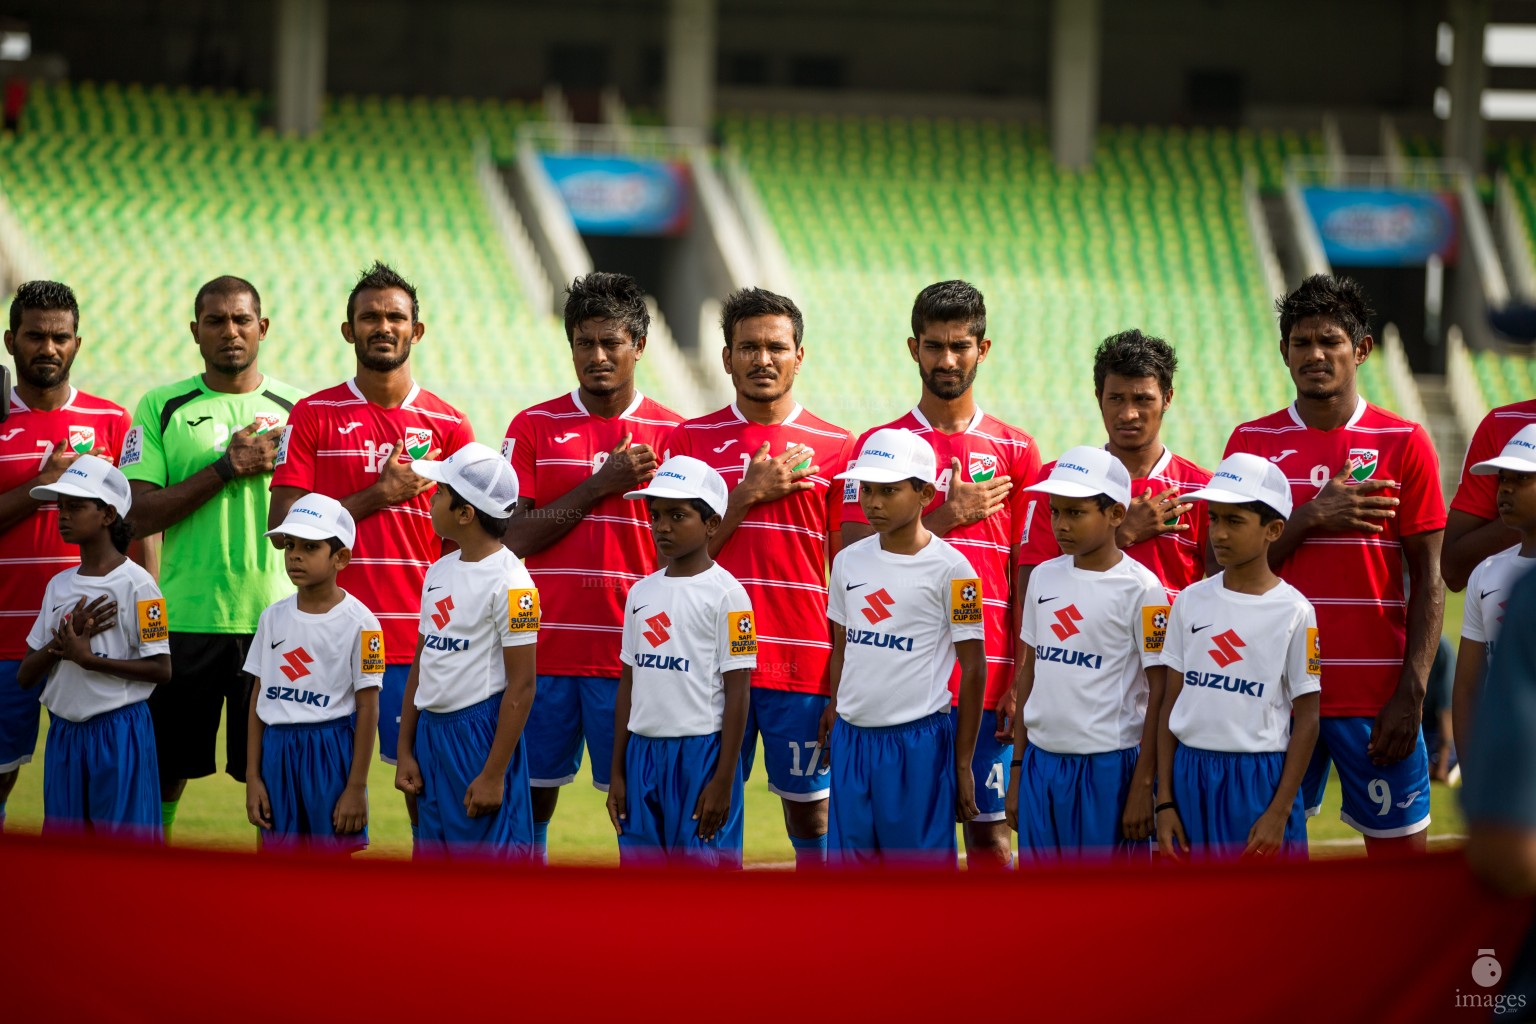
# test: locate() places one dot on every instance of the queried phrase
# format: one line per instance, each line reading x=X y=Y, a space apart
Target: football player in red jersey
x=49 y=425
x=583 y=543
x=1366 y=486
x=778 y=535
x=976 y=508
x=1473 y=529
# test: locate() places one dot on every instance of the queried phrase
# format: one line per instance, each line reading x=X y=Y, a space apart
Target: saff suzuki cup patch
x=133 y=447
x=522 y=611
x=152 y=623
x=850 y=492
x=371 y=645
x=1154 y=627
x=507 y=444
x=282 y=444
x=1314 y=653
x=965 y=602
x=743 y=633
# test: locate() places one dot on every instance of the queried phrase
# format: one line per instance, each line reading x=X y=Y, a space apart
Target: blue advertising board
x=615 y=195
x=1383 y=227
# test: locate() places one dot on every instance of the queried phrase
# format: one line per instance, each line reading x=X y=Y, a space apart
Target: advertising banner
x=614 y=195
x=1383 y=228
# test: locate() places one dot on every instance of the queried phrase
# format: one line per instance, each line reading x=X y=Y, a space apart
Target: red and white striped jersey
x=32 y=552
x=335 y=442
x=1354 y=579
x=584 y=577
x=779 y=552
x=987 y=448
x=1475 y=494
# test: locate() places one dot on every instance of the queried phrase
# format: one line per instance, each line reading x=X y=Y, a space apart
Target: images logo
x=878 y=606
x=1066 y=622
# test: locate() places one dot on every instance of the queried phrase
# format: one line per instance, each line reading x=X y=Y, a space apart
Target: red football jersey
x=986 y=449
x=779 y=552
x=585 y=576
x=334 y=444
x=1475 y=494
x=1178 y=559
x=32 y=552
x=1354 y=579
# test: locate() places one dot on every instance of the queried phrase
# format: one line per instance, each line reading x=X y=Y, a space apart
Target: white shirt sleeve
x=627 y=637
x=1027 y=617
x=42 y=630
x=1173 y=642
x=738 y=646
x=254 y=656
x=1303 y=668
x=1154 y=602
x=837 y=599
x=964 y=624
x=1472 y=627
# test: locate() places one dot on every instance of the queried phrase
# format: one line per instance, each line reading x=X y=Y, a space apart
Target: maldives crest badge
x=82 y=439
x=1362 y=463
x=418 y=442
x=982 y=467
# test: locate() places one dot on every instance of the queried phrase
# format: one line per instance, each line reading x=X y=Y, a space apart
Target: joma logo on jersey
x=657 y=634
x=433 y=642
x=663 y=662
x=297 y=667
x=1062 y=656
x=888 y=641
x=1231 y=684
x=309 y=697
x=1226 y=650
x=444 y=612
x=1066 y=622
x=878 y=606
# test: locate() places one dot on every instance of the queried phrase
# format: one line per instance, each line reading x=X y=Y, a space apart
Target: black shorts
x=206 y=676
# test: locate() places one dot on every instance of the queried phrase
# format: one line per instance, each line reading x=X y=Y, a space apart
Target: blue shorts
x=101 y=775
x=451 y=748
x=391 y=700
x=566 y=710
x=1070 y=805
x=893 y=794
x=1221 y=794
x=305 y=769
x=990 y=770
x=663 y=779
x=790 y=724
x=1382 y=801
x=19 y=716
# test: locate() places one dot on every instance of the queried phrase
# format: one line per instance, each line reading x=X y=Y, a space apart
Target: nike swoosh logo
x=856 y=586
x=55 y=609
x=10 y=434
x=1042 y=600
x=1483 y=596
x=637 y=609
x=278 y=643
x=438 y=587
x=1277 y=458
x=723 y=447
x=565 y=437
x=1196 y=629
x=198 y=421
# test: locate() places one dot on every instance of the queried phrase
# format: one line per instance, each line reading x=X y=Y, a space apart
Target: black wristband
x=1018 y=762
x=1167 y=805
x=224 y=468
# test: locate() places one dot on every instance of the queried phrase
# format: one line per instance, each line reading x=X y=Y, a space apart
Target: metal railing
x=1461 y=384
x=657 y=143
x=514 y=234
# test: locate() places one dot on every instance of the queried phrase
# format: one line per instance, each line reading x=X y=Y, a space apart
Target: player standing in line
x=1239 y=718
x=198 y=458
x=682 y=703
x=99 y=762
x=1366 y=489
x=355 y=442
x=472 y=680
x=1474 y=530
x=978 y=511
x=48 y=427
x=1089 y=683
x=783 y=518
x=306 y=776
x=905 y=606
x=1483 y=615
x=1164 y=531
x=582 y=543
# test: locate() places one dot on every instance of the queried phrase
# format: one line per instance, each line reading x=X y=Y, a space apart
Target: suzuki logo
x=1225 y=651
x=657 y=634
x=297 y=659
x=879 y=604
x=1066 y=622
x=444 y=612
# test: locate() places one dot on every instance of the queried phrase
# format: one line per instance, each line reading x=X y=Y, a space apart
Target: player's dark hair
x=496 y=528
x=947 y=302
x=380 y=277
x=335 y=544
x=750 y=302
x=228 y=286
x=43 y=295
x=119 y=529
x=1133 y=354
x=917 y=483
x=1105 y=502
x=1263 y=510
x=699 y=505
x=603 y=296
x=1340 y=299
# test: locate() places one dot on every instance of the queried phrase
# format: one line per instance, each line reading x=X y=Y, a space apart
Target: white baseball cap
x=316 y=517
x=1083 y=472
x=1242 y=478
x=479 y=475
x=893 y=454
x=1519 y=455
x=684 y=477
x=90 y=477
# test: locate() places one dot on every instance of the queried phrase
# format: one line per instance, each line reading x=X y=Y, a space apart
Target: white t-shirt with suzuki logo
x=681 y=635
x=75 y=694
x=1243 y=658
x=1094 y=634
x=309 y=667
x=469 y=612
x=1488 y=591
x=903 y=615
